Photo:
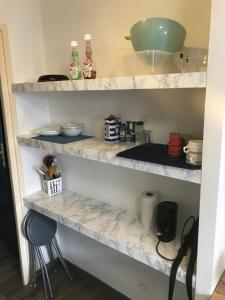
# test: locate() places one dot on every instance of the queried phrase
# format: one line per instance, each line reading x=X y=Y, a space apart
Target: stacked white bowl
x=71 y=129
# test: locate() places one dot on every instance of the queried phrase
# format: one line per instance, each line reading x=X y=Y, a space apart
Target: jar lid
x=140 y=123
x=111 y=118
x=197 y=143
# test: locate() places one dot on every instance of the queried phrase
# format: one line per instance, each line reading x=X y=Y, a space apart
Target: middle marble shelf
x=98 y=150
x=109 y=225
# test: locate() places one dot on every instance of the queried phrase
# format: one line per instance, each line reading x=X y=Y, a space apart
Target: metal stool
x=40 y=231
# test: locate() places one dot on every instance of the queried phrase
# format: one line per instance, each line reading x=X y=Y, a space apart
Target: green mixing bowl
x=157 y=34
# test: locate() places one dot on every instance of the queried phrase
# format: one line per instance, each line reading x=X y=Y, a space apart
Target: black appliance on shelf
x=166 y=221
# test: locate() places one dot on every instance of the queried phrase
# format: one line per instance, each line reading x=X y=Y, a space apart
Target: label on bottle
x=74 y=71
x=89 y=69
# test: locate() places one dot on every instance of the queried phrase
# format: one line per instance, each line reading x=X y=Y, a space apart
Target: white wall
x=163 y=112
x=122 y=187
x=136 y=280
x=212 y=221
x=23 y=19
x=183 y=111
x=109 y=22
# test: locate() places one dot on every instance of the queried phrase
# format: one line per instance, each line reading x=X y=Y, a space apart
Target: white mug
x=194 y=152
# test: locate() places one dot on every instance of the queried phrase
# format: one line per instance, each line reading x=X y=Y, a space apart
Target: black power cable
x=157 y=250
x=181 y=241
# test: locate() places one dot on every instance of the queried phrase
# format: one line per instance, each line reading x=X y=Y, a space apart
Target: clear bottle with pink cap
x=89 y=69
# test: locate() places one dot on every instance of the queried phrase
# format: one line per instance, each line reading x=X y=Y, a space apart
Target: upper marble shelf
x=98 y=150
x=157 y=81
x=109 y=225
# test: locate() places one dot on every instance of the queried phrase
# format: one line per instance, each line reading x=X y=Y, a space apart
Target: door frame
x=14 y=160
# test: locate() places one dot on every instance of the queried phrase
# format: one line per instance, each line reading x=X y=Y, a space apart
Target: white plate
x=49 y=131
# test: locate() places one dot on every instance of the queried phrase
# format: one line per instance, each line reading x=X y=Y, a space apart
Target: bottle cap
x=140 y=123
x=74 y=44
x=87 y=37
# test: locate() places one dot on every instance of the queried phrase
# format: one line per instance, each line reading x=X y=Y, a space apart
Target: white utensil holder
x=52 y=187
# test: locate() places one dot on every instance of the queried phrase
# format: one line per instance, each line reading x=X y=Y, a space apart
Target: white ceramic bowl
x=71 y=125
x=72 y=129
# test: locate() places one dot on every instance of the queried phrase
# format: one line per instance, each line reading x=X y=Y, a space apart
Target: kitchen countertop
x=153 y=81
x=107 y=224
x=98 y=150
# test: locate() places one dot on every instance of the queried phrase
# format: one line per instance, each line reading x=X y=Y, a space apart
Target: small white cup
x=194 y=152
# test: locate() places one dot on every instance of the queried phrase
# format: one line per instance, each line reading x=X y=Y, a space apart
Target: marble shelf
x=156 y=81
x=109 y=225
x=98 y=150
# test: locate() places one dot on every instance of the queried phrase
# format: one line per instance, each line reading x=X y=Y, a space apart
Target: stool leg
x=46 y=273
x=42 y=270
x=31 y=264
x=58 y=252
x=51 y=256
x=34 y=264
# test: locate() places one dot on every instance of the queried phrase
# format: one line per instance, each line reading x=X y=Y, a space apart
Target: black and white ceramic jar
x=112 y=126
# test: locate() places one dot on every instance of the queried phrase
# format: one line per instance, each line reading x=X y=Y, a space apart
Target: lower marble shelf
x=98 y=150
x=109 y=225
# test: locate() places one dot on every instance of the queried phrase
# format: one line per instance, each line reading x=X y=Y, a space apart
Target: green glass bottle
x=75 y=68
